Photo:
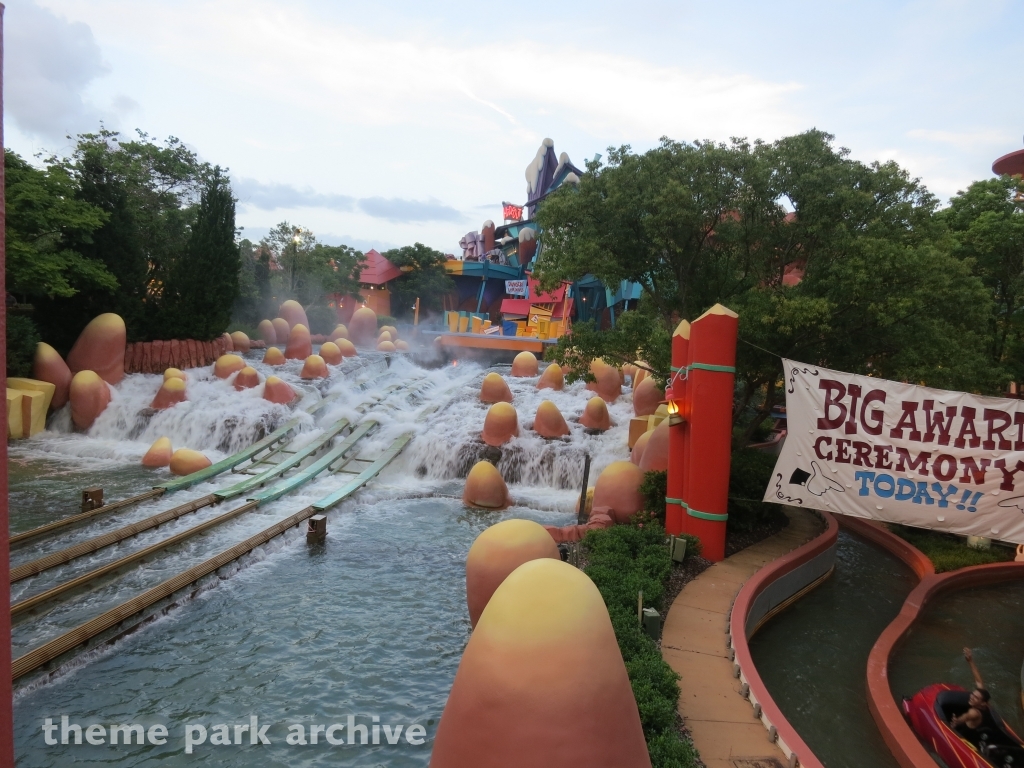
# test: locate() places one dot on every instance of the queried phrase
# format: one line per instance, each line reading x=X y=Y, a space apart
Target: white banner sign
x=901 y=453
x=515 y=287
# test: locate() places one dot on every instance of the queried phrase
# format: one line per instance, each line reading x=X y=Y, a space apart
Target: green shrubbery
x=22 y=338
x=749 y=474
x=322 y=319
x=623 y=561
x=948 y=552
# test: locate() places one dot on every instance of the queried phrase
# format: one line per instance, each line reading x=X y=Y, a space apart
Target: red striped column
x=6 y=698
x=710 y=381
x=675 y=393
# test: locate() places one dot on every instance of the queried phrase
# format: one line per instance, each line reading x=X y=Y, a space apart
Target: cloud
x=50 y=61
x=273 y=196
x=366 y=78
x=398 y=210
x=269 y=197
x=959 y=139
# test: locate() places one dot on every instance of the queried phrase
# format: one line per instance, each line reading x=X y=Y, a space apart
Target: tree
x=705 y=223
x=149 y=194
x=310 y=271
x=202 y=283
x=43 y=219
x=987 y=224
x=427 y=279
x=255 y=297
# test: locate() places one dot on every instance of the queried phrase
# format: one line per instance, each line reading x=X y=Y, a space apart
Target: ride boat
x=930 y=711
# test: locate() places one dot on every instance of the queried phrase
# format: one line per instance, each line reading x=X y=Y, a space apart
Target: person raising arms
x=977 y=716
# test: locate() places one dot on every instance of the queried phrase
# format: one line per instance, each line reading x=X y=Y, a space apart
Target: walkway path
x=721 y=721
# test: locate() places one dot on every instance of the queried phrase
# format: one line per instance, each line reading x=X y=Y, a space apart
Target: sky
x=387 y=123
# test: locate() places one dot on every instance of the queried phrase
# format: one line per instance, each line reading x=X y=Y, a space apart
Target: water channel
x=372 y=624
x=812 y=656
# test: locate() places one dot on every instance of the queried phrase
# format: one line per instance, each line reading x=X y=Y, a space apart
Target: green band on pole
x=707 y=515
x=677 y=370
x=677 y=502
x=715 y=368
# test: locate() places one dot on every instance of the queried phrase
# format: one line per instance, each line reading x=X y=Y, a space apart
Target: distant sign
x=512 y=212
x=515 y=287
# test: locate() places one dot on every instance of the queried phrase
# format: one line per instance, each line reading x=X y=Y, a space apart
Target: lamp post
x=296 y=239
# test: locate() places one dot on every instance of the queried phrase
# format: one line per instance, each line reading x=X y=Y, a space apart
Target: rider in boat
x=977 y=718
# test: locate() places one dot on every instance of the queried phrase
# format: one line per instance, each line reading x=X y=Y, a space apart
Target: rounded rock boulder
x=100 y=348
x=497 y=552
x=485 y=488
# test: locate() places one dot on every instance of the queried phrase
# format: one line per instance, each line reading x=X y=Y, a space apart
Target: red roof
x=1010 y=164
x=377 y=270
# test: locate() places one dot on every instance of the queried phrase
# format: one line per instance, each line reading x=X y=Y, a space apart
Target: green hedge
x=750 y=472
x=22 y=338
x=623 y=560
x=949 y=552
x=322 y=319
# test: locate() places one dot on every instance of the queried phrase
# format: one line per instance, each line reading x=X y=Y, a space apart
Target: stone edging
x=767 y=592
x=896 y=732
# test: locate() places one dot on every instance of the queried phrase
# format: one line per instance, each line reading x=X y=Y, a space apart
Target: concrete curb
x=767 y=592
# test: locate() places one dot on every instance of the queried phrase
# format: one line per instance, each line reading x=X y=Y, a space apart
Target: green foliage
x=22 y=338
x=948 y=552
x=148 y=195
x=654 y=489
x=311 y=272
x=44 y=219
x=255 y=296
x=427 y=280
x=639 y=335
x=322 y=319
x=624 y=560
x=988 y=232
x=750 y=472
x=705 y=223
x=383 y=320
x=202 y=282
x=251 y=331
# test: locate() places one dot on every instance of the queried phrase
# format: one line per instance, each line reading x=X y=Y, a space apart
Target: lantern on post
x=677 y=405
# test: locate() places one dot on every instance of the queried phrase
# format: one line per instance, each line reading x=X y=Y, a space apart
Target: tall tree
x=44 y=219
x=701 y=223
x=426 y=279
x=987 y=223
x=149 y=193
x=202 y=282
x=309 y=271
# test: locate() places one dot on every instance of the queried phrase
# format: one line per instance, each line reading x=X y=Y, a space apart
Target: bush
x=22 y=338
x=949 y=552
x=624 y=560
x=249 y=330
x=749 y=475
x=322 y=319
x=654 y=489
x=383 y=320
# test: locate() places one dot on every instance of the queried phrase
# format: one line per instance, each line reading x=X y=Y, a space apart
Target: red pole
x=6 y=693
x=675 y=393
x=710 y=382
